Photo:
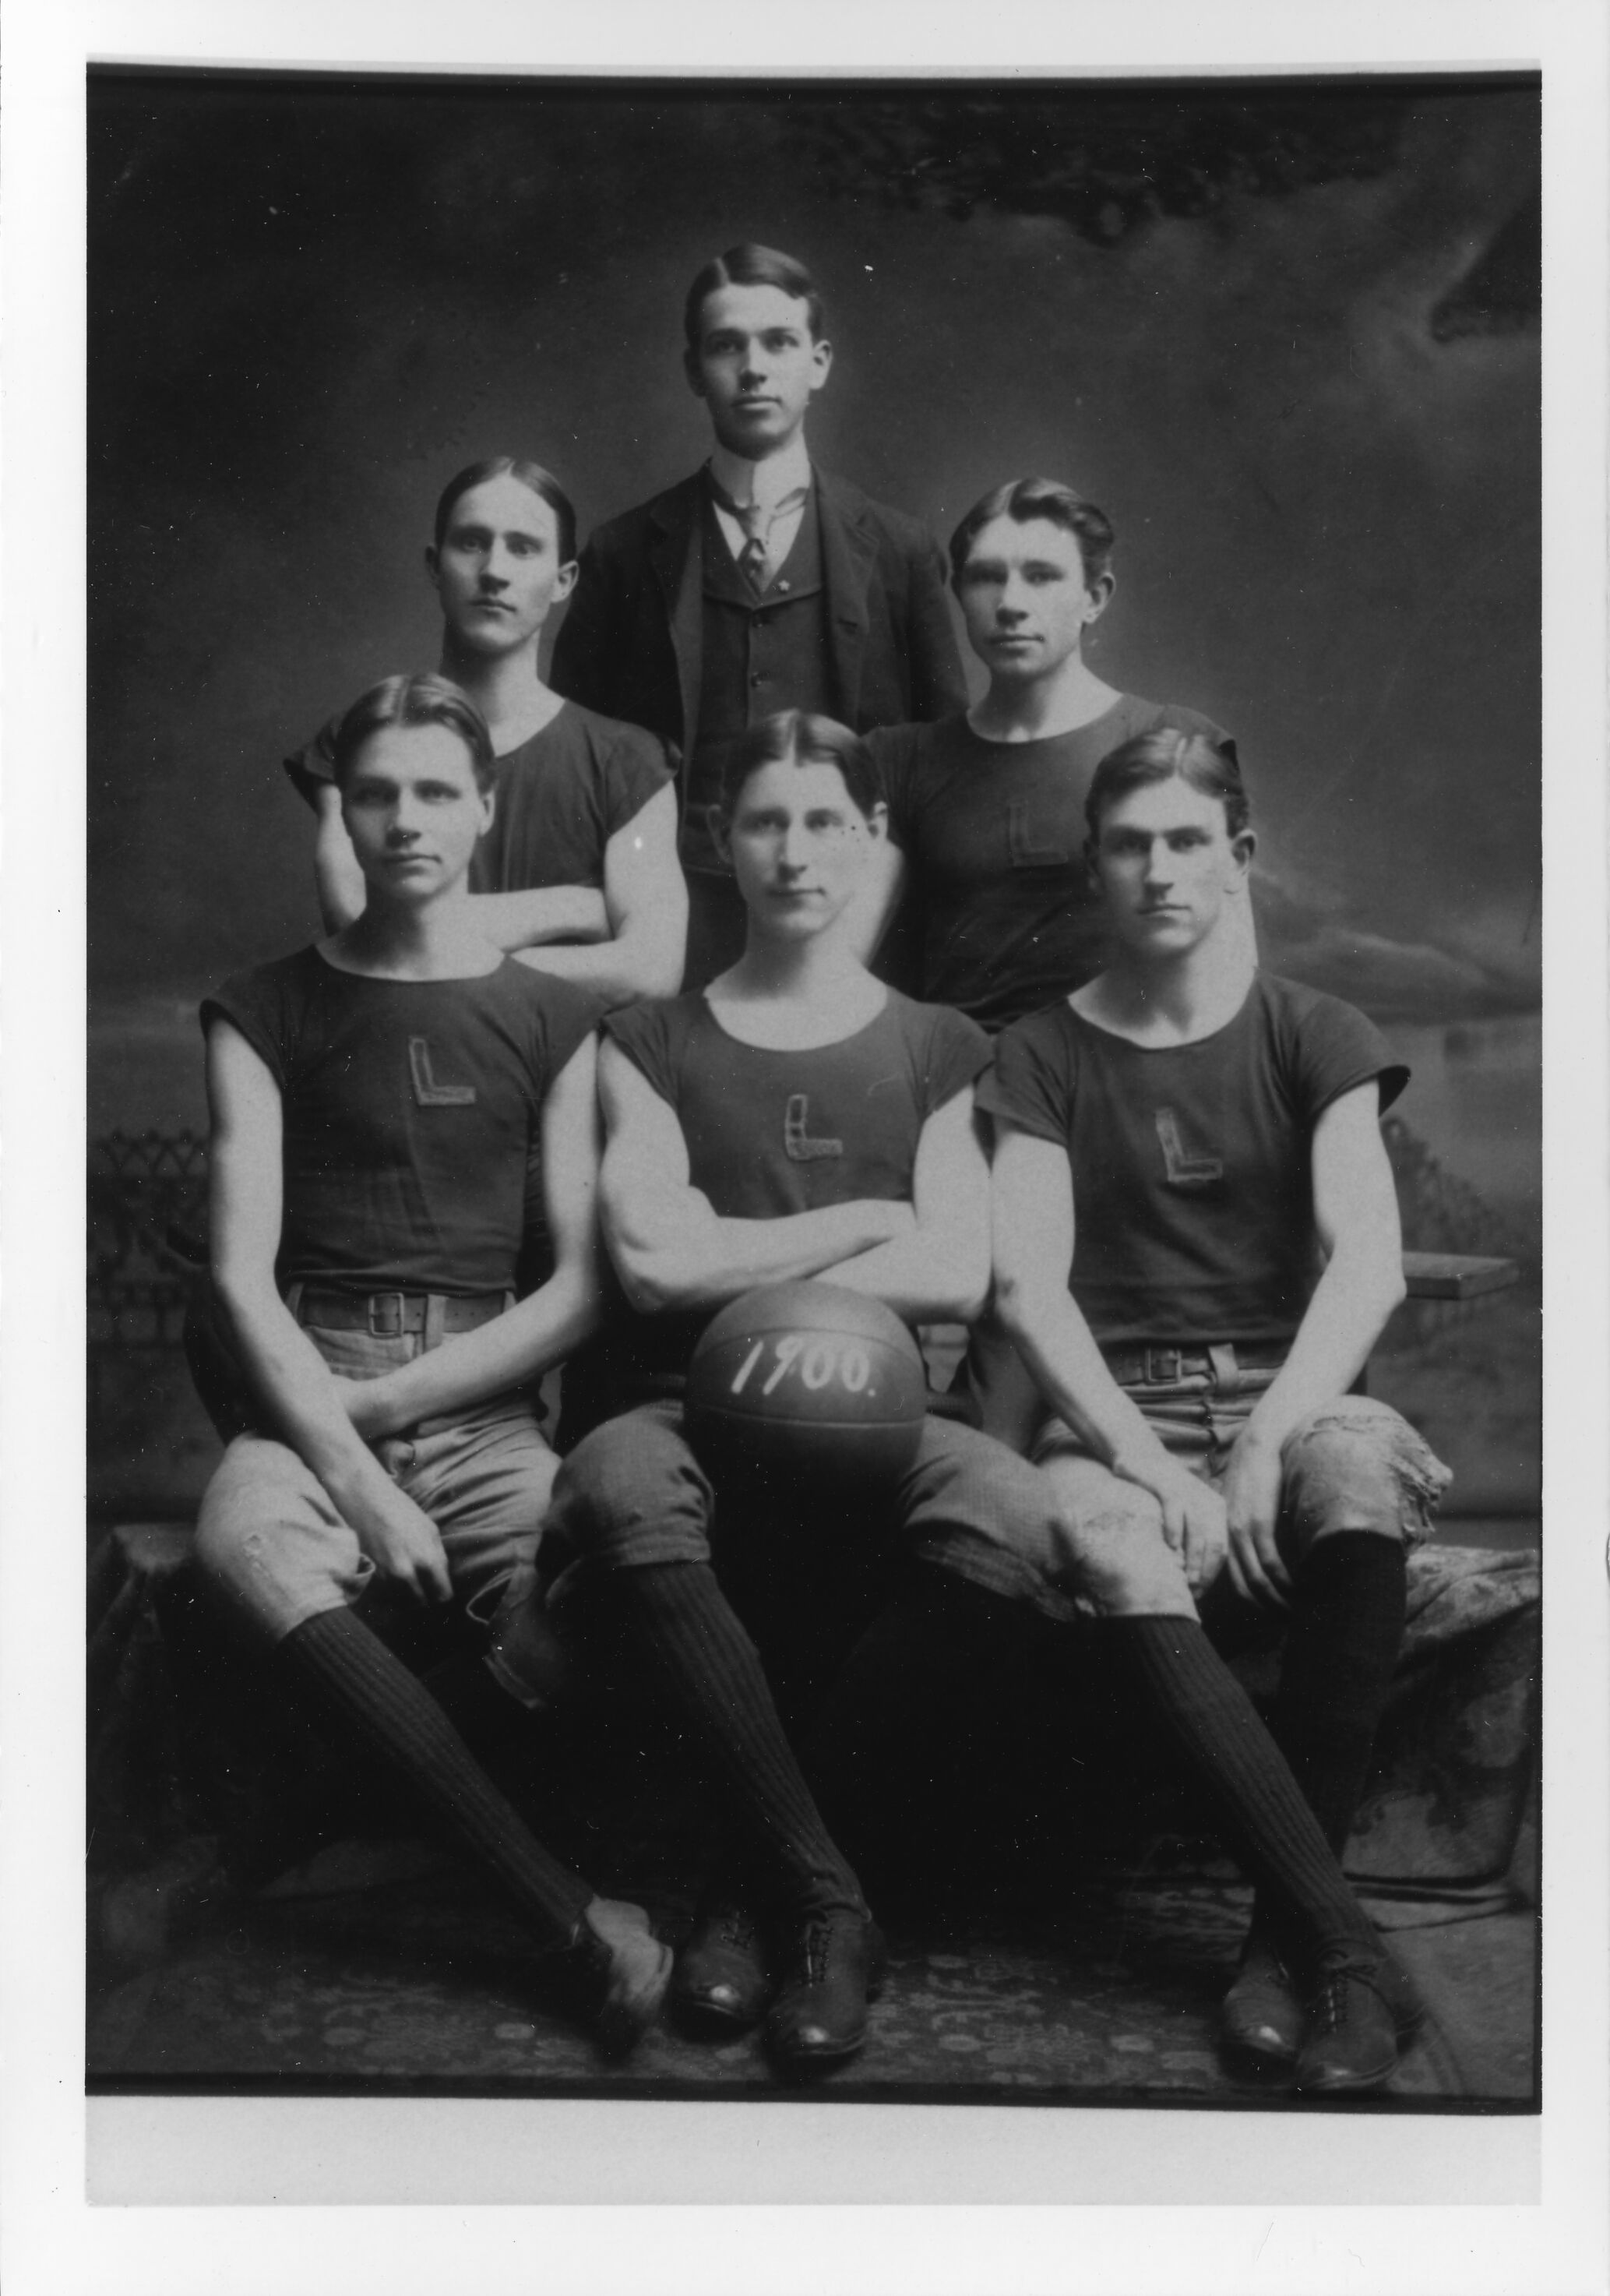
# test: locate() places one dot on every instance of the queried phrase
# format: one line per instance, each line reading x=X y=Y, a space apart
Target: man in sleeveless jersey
x=375 y=1100
x=993 y=912
x=762 y=582
x=986 y=807
x=795 y=1118
x=577 y=875
x=1196 y=1141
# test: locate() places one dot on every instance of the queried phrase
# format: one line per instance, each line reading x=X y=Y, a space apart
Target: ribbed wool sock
x=719 y=1691
x=1213 y=1727
x=374 y=1695
x=1341 y=1652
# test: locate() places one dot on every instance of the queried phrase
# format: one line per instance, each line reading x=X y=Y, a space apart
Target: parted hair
x=750 y=264
x=421 y=699
x=800 y=737
x=1211 y=767
x=1023 y=499
x=541 y=482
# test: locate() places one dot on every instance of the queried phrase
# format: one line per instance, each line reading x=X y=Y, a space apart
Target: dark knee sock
x=372 y=1693
x=1212 y=1726
x=719 y=1690
x=1341 y=1652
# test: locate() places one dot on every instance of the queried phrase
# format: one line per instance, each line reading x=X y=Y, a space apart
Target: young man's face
x=1167 y=867
x=1025 y=599
x=498 y=572
x=756 y=367
x=413 y=812
x=799 y=845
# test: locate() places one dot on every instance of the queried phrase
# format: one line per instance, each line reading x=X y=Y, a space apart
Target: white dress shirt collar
x=764 y=482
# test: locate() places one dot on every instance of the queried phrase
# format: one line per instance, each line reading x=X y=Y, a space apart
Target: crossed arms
x=927 y=1259
x=626 y=941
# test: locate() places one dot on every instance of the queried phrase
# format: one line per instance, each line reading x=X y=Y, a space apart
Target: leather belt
x=388 y=1315
x=1159 y=1366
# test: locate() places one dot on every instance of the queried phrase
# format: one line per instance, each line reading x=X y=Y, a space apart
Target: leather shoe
x=835 y=1966
x=1360 y=2014
x=621 y=1970
x=1261 y=2020
x=722 y=1977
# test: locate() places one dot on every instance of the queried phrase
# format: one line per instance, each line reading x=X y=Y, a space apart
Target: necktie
x=757 y=520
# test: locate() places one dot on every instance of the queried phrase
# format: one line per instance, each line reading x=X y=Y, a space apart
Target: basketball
x=808 y=1383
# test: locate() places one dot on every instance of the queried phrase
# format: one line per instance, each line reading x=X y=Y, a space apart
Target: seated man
x=1193 y=1140
x=797 y=1118
x=374 y=1101
x=762 y=582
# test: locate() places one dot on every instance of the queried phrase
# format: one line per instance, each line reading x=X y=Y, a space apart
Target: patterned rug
x=423 y=1986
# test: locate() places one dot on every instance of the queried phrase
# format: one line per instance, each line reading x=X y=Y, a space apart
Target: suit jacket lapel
x=849 y=550
x=674 y=554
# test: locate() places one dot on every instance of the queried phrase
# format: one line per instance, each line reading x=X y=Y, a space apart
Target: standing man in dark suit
x=760 y=584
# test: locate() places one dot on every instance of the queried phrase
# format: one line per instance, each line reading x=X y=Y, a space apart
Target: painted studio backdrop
x=1286 y=336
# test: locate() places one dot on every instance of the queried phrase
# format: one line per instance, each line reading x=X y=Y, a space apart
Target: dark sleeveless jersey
x=410 y=1110
x=561 y=796
x=1193 y=1185
x=774 y=1133
x=1000 y=916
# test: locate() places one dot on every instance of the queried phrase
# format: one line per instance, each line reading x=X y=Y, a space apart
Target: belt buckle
x=394 y=1329
x=1165 y=1367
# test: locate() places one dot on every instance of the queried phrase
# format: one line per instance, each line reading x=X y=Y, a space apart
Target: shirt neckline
x=795 y=1052
x=787 y=472
x=1038 y=740
x=501 y=756
x=391 y=980
x=1189 y=1045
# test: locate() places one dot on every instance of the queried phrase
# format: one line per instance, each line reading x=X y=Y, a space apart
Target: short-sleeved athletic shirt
x=773 y=1132
x=1193 y=1195
x=561 y=796
x=993 y=836
x=411 y=1108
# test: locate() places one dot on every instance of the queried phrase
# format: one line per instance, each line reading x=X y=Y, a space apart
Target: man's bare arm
x=531 y=918
x=940 y=1270
x=876 y=900
x=645 y=899
x=342 y=892
x=1032 y=1194
x=289 y=1376
x=670 y=1247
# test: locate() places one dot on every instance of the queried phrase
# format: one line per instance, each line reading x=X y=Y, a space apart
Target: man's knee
x=632 y=1493
x=1356 y=1464
x=271 y=1542
x=1118 y=1555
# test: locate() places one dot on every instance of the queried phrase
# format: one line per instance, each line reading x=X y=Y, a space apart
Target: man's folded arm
x=939 y=1270
x=670 y=1247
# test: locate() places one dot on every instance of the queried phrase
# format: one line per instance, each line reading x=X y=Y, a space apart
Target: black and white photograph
x=814 y=1112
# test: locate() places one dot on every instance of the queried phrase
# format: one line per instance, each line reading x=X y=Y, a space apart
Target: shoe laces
x=1327 y=2010
x=734 y=1927
x=816 y=1945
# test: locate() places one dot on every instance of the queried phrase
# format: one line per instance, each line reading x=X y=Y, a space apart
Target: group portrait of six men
x=745 y=950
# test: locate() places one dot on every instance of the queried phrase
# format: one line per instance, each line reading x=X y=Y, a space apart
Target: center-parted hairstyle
x=422 y=698
x=750 y=264
x=542 y=483
x=1023 y=499
x=1210 y=768
x=800 y=737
